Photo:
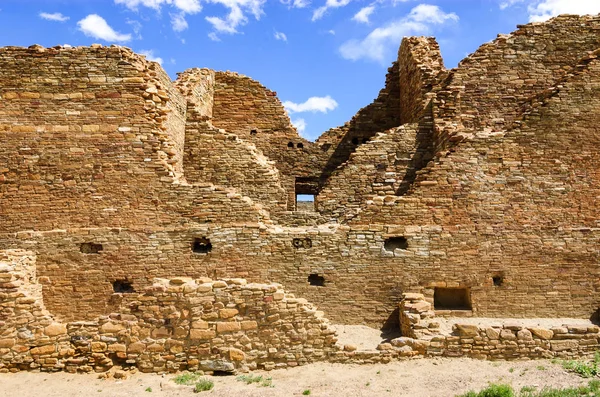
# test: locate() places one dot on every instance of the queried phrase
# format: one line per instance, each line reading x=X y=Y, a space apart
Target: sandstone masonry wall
x=177 y=324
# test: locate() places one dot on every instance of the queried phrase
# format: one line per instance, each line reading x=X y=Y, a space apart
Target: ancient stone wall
x=504 y=74
x=502 y=205
x=421 y=69
x=177 y=324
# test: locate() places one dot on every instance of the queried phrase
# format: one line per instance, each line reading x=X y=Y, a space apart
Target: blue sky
x=325 y=58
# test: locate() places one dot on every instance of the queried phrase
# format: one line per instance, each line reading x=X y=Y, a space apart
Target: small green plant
x=267 y=382
x=149 y=389
x=378 y=372
x=203 y=384
x=306 y=392
x=249 y=379
x=581 y=368
x=187 y=378
x=492 y=391
x=368 y=384
x=541 y=368
x=592 y=389
x=511 y=370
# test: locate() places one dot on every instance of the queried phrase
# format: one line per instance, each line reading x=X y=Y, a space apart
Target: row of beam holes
x=300 y=145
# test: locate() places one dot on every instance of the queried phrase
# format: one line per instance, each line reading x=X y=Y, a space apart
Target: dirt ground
x=419 y=377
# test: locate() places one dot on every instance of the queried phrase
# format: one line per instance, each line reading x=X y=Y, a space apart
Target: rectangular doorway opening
x=452 y=299
x=305 y=202
x=306 y=190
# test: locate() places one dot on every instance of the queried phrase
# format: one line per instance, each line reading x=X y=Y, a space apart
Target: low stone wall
x=177 y=324
x=498 y=340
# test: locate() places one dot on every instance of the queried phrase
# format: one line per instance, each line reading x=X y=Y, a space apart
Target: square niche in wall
x=452 y=299
x=201 y=245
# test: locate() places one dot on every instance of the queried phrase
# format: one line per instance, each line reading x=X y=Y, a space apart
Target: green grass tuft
x=187 y=378
x=203 y=384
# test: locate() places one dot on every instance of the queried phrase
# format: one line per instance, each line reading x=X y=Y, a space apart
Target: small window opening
x=305 y=202
x=451 y=299
x=316 y=280
x=365 y=140
x=326 y=147
x=290 y=144
x=302 y=243
x=123 y=287
x=201 y=245
x=394 y=243
x=355 y=141
x=498 y=280
x=300 y=145
x=253 y=132
x=90 y=248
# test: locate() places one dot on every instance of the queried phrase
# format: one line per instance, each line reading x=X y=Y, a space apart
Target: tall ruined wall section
x=379 y=116
x=216 y=156
x=518 y=205
x=421 y=69
x=504 y=74
x=375 y=168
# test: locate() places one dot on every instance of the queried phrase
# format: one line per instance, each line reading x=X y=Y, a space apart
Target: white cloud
x=363 y=15
x=331 y=32
x=56 y=16
x=95 y=26
x=136 y=26
x=185 y=6
x=543 y=10
x=313 y=104
x=509 y=3
x=296 y=3
x=377 y=43
x=280 y=36
x=300 y=125
x=178 y=22
x=236 y=16
x=319 y=12
x=213 y=36
x=150 y=56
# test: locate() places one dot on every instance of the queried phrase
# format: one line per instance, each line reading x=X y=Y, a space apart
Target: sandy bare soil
x=420 y=377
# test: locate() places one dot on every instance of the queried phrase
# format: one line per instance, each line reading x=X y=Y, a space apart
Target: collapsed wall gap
x=90 y=248
x=123 y=287
x=201 y=245
x=316 y=280
x=451 y=298
x=394 y=243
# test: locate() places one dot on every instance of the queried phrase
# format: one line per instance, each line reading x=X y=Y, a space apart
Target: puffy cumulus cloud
x=363 y=15
x=376 y=44
x=280 y=36
x=56 y=16
x=319 y=12
x=95 y=26
x=313 y=104
x=151 y=57
x=543 y=10
x=300 y=125
x=296 y=3
x=178 y=22
x=185 y=6
x=236 y=16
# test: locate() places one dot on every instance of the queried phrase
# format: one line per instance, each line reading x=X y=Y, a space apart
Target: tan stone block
x=98 y=347
x=492 y=333
x=200 y=324
x=561 y=345
x=111 y=328
x=7 y=343
x=236 y=355
x=43 y=350
x=228 y=313
x=542 y=333
x=202 y=334
x=117 y=347
x=231 y=326
x=136 y=347
x=55 y=329
x=467 y=330
x=247 y=325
